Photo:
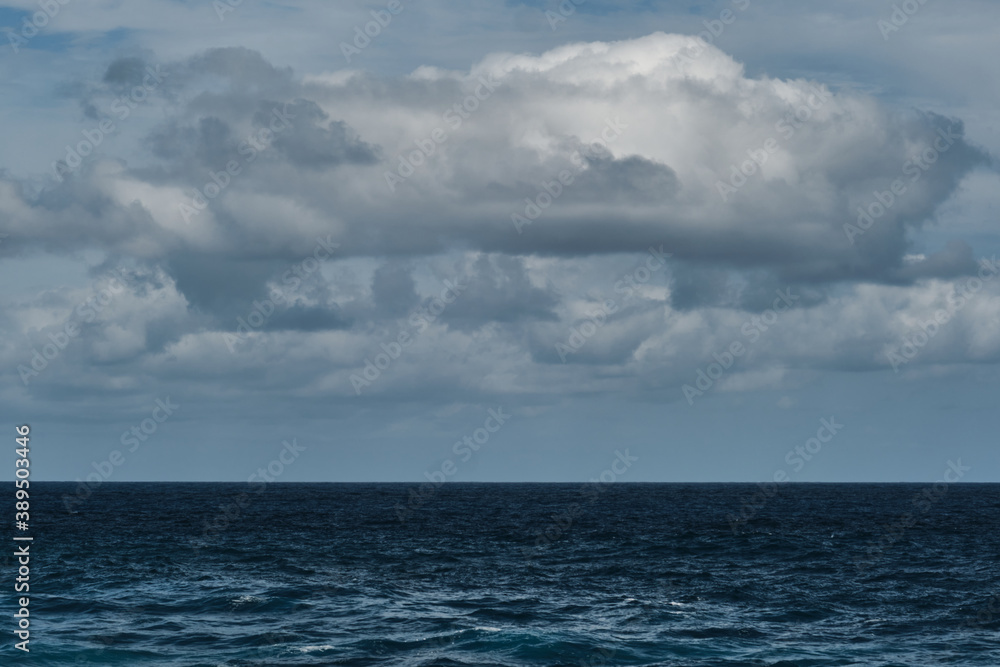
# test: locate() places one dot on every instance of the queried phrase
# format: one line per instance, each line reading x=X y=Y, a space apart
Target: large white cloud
x=673 y=118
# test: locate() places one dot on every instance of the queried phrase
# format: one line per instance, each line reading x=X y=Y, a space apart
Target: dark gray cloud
x=394 y=290
x=497 y=289
x=314 y=141
x=638 y=143
x=127 y=71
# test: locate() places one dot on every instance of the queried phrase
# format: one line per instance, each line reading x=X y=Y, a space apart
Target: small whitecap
x=245 y=599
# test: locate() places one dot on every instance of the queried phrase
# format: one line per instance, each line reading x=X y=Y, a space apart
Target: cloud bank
x=285 y=234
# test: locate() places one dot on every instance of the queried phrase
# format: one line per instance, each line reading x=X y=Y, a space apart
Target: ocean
x=511 y=574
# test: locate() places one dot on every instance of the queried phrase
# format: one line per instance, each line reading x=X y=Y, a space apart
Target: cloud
x=748 y=181
x=688 y=124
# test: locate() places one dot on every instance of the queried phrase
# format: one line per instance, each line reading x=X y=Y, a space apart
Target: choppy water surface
x=510 y=574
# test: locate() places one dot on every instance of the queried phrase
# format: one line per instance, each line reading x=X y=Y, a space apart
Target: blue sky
x=263 y=217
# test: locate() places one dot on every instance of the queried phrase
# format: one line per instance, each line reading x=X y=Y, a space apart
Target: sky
x=487 y=241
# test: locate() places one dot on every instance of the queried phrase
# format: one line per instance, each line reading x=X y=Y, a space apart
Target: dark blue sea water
x=480 y=574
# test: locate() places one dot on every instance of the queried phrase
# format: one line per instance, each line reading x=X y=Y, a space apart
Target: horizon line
x=456 y=483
